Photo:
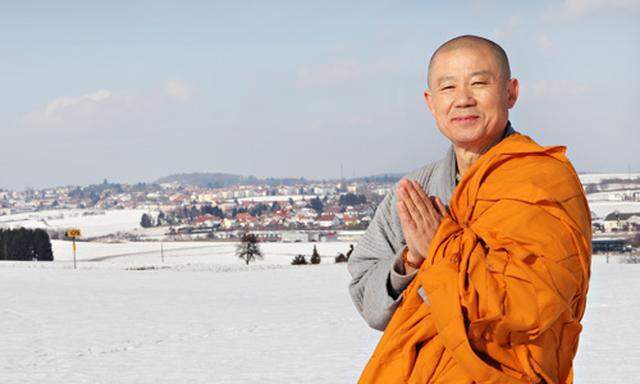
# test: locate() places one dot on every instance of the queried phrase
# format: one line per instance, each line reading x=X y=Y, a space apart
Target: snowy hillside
x=269 y=323
x=91 y=222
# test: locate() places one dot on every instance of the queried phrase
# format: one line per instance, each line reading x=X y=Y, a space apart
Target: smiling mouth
x=465 y=119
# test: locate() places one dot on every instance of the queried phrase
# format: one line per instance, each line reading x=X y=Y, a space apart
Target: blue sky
x=135 y=90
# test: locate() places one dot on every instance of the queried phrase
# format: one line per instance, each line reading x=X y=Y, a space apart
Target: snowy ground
x=196 y=255
x=269 y=323
x=91 y=222
x=594 y=178
x=603 y=208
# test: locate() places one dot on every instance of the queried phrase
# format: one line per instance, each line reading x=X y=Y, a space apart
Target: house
x=333 y=209
x=328 y=220
x=229 y=223
x=245 y=219
x=618 y=222
x=207 y=221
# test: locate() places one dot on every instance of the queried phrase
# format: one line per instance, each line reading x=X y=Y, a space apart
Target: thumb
x=441 y=207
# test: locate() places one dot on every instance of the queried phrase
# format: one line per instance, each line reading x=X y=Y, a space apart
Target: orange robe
x=500 y=296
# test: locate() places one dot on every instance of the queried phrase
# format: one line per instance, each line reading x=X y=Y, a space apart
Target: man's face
x=469 y=98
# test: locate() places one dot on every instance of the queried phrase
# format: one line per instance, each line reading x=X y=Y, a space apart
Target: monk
x=492 y=288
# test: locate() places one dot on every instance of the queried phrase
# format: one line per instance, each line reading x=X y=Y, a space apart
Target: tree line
x=25 y=244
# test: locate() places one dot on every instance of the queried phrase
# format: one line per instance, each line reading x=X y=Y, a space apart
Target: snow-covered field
x=207 y=318
x=91 y=222
x=603 y=208
x=594 y=178
x=183 y=255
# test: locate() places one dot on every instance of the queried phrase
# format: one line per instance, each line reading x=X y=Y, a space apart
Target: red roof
x=327 y=217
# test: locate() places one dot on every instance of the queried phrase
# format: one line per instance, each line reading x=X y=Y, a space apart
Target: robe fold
x=501 y=293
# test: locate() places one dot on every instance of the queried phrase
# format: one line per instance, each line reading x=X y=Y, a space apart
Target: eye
x=447 y=87
x=478 y=83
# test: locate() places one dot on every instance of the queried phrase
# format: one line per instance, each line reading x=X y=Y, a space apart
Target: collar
x=454 y=175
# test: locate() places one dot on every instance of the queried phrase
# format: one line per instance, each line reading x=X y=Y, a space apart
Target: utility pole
x=73 y=234
x=74 y=253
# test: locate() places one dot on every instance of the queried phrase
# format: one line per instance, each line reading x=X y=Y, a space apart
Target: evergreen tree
x=316 y=204
x=42 y=245
x=248 y=250
x=193 y=213
x=161 y=219
x=352 y=199
x=258 y=209
x=315 y=256
x=25 y=244
x=145 y=221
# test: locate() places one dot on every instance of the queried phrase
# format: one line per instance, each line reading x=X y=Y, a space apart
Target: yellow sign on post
x=73 y=234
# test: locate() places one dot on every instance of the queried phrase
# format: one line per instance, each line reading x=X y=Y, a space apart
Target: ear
x=428 y=97
x=512 y=92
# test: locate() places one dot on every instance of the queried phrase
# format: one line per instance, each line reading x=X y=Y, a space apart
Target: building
x=622 y=222
x=294 y=237
x=605 y=245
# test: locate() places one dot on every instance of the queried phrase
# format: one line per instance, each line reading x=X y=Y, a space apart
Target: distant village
x=311 y=211
x=288 y=210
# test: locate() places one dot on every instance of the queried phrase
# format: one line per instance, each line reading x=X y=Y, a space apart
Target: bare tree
x=248 y=250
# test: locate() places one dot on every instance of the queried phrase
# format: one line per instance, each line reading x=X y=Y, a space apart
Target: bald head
x=471 y=41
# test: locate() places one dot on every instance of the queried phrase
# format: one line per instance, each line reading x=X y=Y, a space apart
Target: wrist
x=409 y=260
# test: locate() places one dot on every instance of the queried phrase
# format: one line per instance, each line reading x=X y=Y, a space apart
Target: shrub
x=299 y=260
x=631 y=259
x=341 y=258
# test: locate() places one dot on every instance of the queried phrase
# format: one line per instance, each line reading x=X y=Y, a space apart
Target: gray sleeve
x=398 y=277
x=375 y=287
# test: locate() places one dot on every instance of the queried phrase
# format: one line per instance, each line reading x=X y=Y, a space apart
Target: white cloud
x=178 y=91
x=576 y=8
x=61 y=105
x=104 y=107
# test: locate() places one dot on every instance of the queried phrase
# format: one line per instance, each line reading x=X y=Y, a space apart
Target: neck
x=466 y=157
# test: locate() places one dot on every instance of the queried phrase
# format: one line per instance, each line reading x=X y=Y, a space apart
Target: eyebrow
x=483 y=72
x=445 y=78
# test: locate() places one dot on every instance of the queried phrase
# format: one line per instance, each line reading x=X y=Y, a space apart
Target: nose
x=464 y=97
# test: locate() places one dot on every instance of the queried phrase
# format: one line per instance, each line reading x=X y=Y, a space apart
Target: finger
x=403 y=213
x=410 y=203
x=427 y=208
x=400 y=187
x=441 y=207
x=418 y=202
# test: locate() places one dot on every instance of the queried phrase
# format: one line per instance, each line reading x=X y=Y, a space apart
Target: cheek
x=441 y=106
x=489 y=103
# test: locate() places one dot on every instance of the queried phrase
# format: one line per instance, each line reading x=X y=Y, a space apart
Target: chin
x=466 y=136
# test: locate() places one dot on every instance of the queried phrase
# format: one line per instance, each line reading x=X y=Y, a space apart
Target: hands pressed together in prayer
x=420 y=216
